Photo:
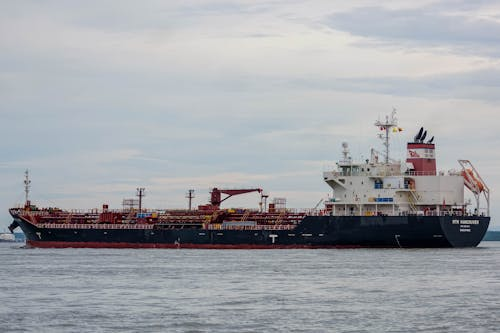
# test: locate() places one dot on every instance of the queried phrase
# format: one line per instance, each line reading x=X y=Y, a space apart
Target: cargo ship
x=379 y=202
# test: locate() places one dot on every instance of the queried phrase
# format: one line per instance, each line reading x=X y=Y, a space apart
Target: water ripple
x=357 y=290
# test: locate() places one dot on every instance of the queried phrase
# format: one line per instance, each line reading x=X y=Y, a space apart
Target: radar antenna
x=27 y=185
x=390 y=122
x=345 y=152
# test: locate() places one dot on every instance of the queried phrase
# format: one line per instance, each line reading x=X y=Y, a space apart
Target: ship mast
x=27 y=185
x=190 y=197
x=140 y=194
x=390 y=122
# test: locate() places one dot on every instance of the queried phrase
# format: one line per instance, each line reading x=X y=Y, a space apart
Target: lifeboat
x=471 y=181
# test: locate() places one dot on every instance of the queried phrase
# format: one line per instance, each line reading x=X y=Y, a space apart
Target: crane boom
x=216 y=194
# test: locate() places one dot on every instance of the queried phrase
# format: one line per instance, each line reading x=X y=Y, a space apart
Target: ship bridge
x=388 y=187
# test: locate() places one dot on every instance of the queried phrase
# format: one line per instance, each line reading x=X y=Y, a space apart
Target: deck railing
x=382 y=173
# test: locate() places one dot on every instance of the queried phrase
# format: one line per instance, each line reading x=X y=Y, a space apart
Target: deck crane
x=216 y=194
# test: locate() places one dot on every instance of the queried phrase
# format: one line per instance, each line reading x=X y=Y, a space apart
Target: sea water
x=348 y=290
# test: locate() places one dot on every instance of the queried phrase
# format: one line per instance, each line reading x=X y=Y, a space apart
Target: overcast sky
x=100 y=97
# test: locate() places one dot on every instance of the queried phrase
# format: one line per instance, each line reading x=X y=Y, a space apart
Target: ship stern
x=464 y=231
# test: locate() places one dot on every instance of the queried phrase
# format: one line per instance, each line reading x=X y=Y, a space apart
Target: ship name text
x=465 y=221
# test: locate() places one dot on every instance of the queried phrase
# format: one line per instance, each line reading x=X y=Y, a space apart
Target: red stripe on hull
x=99 y=245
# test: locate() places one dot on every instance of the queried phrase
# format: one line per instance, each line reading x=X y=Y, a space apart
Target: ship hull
x=311 y=232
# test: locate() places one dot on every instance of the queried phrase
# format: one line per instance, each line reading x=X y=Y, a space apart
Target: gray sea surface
x=348 y=290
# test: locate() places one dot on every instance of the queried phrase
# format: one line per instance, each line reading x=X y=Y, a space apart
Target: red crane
x=216 y=193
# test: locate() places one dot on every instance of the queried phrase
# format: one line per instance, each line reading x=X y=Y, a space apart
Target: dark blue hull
x=312 y=232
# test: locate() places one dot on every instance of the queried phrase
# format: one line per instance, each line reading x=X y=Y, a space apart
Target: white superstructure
x=412 y=187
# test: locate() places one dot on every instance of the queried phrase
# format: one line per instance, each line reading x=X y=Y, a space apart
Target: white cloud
x=98 y=101
x=452 y=25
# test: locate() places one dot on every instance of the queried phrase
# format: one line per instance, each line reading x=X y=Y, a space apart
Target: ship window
x=368 y=169
x=350 y=183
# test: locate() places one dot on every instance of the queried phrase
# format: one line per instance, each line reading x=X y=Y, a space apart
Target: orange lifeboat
x=469 y=177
